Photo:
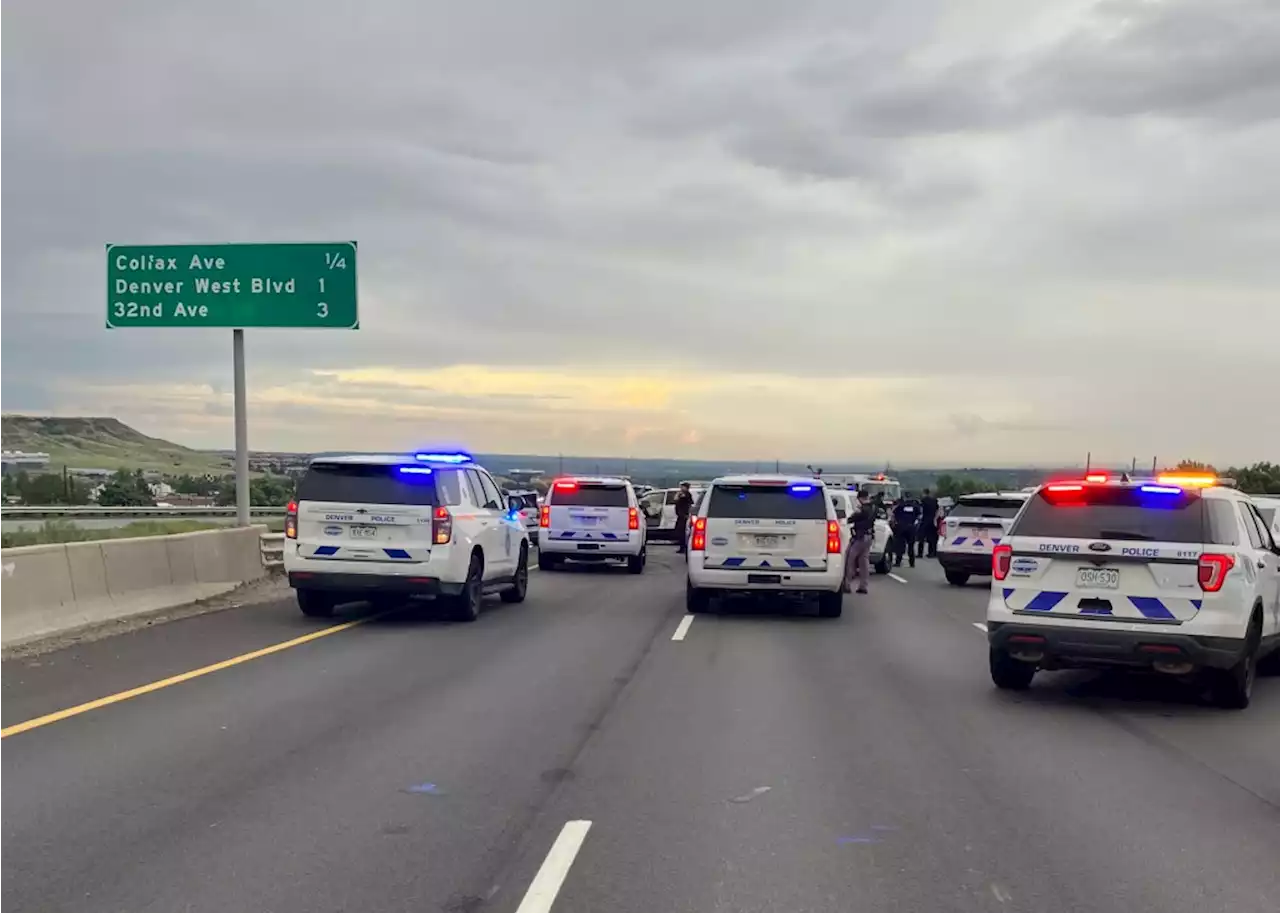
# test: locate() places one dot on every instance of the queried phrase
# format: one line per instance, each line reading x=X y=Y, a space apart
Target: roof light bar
x=416 y=470
x=1072 y=486
x=801 y=489
x=444 y=457
x=1161 y=489
x=1097 y=477
x=1194 y=480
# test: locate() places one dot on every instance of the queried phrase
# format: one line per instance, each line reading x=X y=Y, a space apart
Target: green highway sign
x=232 y=285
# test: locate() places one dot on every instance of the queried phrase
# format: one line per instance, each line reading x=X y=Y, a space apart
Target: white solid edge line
x=683 y=628
x=546 y=884
x=897 y=578
x=980 y=626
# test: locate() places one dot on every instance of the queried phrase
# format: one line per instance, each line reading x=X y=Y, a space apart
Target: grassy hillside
x=103 y=443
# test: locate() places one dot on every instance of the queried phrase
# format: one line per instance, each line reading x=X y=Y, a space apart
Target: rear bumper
x=1065 y=646
x=371 y=583
x=621 y=548
x=968 y=563
x=825 y=581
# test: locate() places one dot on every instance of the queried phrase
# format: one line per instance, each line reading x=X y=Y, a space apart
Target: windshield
x=1115 y=513
x=766 y=502
x=589 y=495
x=991 y=508
x=366 y=484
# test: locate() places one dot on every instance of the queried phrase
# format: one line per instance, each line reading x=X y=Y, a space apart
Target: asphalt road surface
x=590 y=750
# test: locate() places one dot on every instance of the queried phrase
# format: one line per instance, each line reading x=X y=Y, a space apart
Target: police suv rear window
x=355 y=483
x=766 y=502
x=998 y=508
x=588 y=495
x=1125 y=514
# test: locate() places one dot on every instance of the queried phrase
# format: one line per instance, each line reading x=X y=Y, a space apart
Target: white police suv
x=592 y=519
x=387 y=526
x=975 y=525
x=1178 y=574
x=766 y=534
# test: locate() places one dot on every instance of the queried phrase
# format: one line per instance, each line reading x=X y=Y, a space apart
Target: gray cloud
x=575 y=184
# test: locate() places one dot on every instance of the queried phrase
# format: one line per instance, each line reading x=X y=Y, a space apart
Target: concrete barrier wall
x=53 y=589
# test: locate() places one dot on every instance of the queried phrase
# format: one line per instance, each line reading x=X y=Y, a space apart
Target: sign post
x=236 y=286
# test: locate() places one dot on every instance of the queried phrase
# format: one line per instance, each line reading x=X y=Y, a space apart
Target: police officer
x=862 y=527
x=927 y=531
x=906 y=514
x=683 y=504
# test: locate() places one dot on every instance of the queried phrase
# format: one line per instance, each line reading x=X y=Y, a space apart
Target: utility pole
x=1088 y=461
x=242 y=429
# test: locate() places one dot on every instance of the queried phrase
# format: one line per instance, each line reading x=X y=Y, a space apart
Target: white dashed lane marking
x=683 y=628
x=547 y=883
x=897 y=578
x=980 y=626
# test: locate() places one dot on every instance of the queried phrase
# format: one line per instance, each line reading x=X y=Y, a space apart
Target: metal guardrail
x=110 y=513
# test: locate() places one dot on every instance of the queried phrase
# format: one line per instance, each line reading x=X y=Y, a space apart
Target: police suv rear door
x=589 y=511
x=1114 y=553
x=766 y=524
x=366 y=512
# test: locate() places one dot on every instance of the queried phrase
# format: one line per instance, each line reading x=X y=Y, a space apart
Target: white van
x=845 y=503
x=767 y=534
x=659 y=510
x=591 y=519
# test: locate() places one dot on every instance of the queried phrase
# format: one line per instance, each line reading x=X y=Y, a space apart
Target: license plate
x=586 y=521
x=768 y=541
x=363 y=532
x=1097 y=578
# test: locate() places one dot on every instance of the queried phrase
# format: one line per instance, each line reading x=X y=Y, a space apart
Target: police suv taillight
x=1001 y=560
x=441 y=526
x=633 y=518
x=544 y=516
x=699 y=543
x=1213 y=570
x=833 y=538
x=291 y=520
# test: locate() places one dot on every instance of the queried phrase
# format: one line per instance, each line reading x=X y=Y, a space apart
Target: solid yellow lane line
x=173 y=680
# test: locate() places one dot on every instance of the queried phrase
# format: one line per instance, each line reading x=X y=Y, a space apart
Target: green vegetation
x=265 y=491
x=46 y=489
x=56 y=531
x=104 y=443
x=1258 y=479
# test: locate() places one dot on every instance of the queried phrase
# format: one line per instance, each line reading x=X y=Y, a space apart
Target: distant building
x=100 y=475
x=176 y=499
x=15 y=461
x=160 y=490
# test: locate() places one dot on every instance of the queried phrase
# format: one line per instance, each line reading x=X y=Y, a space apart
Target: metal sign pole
x=242 y=430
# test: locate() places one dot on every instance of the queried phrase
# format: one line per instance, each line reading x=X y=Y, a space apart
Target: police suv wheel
x=466 y=605
x=520 y=587
x=883 y=565
x=1010 y=674
x=547 y=562
x=696 y=600
x=830 y=605
x=1233 y=688
x=635 y=564
x=315 y=603
x=957 y=578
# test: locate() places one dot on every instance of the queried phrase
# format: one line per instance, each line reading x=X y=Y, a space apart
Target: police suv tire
x=957 y=578
x=636 y=563
x=1010 y=674
x=520 y=586
x=315 y=603
x=696 y=599
x=1233 y=688
x=466 y=605
x=547 y=562
x=883 y=566
x=830 y=605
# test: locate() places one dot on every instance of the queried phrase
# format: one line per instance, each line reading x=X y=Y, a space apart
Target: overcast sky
x=934 y=231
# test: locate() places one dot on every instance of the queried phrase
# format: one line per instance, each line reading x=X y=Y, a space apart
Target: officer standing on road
x=927 y=532
x=862 y=527
x=906 y=514
x=683 y=504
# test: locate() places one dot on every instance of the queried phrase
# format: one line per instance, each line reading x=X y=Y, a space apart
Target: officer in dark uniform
x=906 y=515
x=683 y=504
x=927 y=530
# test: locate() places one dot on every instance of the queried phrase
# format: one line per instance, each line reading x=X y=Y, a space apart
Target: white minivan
x=766 y=534
x=591 y=519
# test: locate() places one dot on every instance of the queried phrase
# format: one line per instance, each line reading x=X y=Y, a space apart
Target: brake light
x=544 y=516
x=291 y=520
x=1001 y=559
x=441 y=526
x=633 y=518
x=699 y=543
x=1064 y=488
x=833 y=538
x=566 y=485
x=1213 y=570
x=1096 y=477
